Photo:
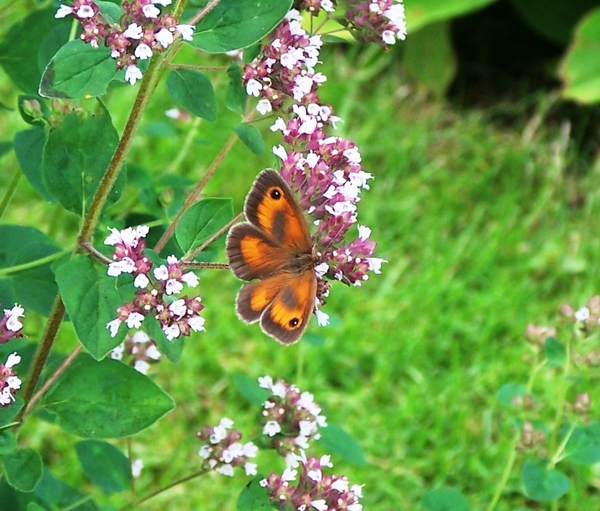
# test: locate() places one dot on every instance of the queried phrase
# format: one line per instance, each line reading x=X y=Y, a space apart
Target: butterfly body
x=274 y=247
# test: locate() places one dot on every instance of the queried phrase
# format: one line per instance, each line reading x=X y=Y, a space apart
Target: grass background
x=486 y=225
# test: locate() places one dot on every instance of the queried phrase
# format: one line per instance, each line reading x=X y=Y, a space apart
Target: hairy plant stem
x=10 y=191
x=163 y=489
x=193 y=197
x=513 y=446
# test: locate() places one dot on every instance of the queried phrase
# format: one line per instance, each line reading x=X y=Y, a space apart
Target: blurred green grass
x=485 y=228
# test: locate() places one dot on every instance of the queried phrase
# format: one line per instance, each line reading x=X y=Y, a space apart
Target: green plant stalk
x=34 y=264
x=142 y=99
x=560 y=405
x=10 y=191
x=513 y=448
x=185 y=147
x=164 y=488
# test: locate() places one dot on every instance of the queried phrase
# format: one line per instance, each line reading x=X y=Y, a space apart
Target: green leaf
x=509 y=391
x=104 y=465
x=111 y=12
x=105 y=399
x=78 y=71
x=33 y=287
x=22 y=469
x=34 y=506
x=20 y=46
x=76 y=157
x=445 y=499
x=583 y=446
x=201 y=221
x=235 y=24
x=193 y=91
x=91 y=298
x=8 y=442
x=172 y=349
x=29 y=147
x=555 y=352
x=251 y=137
x=254 y=497
x=251 y=52
x=580 y=68
x=543 y=485
x=57 y=495
x=8 y=413
x=250 y=389
x=429 y=57
x=423 y=12
x=235 y=97
x=54 y=41
x=337 y=441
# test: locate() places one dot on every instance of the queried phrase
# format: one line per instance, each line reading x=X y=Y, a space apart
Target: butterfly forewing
x=271 y=206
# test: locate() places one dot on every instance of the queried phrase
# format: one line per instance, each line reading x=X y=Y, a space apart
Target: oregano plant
x=126 y=285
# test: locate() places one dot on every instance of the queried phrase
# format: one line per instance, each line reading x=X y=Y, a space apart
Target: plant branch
x=10 y=190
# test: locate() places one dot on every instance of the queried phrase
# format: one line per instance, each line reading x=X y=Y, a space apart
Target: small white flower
x=190 y=278
x=186 y=31
x=12 y=323
x=165 y=37
x=133 y=74
x=12 y=360
x=327 y=5
x=265 y=382
x=321 y=269
x=161 y=273
x=582 y=314
x=113 y=326
x=226 y=470
x=388 y=37
x=136 y=468
x=172 y=332
x=150 y=11
x=133 y=31
x=178 y=307
x=85 y=11
x=63 y=11
x=364 y=232
x=253 y=87
x=271 y=428
x=196 y=323
x=141 y=366
x=117 y=353
x=289 y=474
x=153 y=353
x=141 y=281
x=375 y=264
x=134 y=320
x=173 y=113
x=250 y=468
x=322 y=317
x=279 y=389
x=173 y=287
x=143 y=51
x=264 y=106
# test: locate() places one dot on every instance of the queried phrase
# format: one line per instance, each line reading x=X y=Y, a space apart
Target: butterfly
x=274 y=247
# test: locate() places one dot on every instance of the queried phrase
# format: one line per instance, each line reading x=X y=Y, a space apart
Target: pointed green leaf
x=194 y=92
x=78 y=71
x=251 y=137
x=580 y=69
x=8 y=442
x=57 y=495
x=250 y=389
x=29 y=147
x=8 y=413
x=201 y=221
x=423 y=12
x=555 y=352
x=21 y=44
x=543 y=485
x=583 y=446
x=172 y=349
x=337 y=441
x=22 y=469
x=76 y=157
x=33 y=287
x=91 y=298
x=235 y=97
x=509 y=392
x=445 y=499
x=235 y=24
x=104 y=465
x=105 y=399
x=254 y=497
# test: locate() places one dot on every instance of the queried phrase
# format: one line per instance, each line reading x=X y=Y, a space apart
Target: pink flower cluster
x=9 y=381
x=378 y=21
x=139 y=350
x=290 y=418
x=325 y=170
x=141 y=31
x=10 y=325
x=315 y=489
x=223 y=452
x=156 y=287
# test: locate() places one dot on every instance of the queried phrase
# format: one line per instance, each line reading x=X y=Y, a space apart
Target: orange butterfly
x=274 y=246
